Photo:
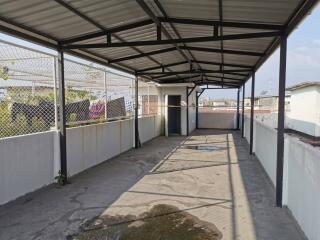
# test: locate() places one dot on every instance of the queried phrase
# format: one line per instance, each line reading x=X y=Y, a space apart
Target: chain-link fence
x=148 y=98
x=26 y=80
x=29 y=92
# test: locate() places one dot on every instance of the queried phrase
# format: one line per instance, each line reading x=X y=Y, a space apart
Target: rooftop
x=303 y=85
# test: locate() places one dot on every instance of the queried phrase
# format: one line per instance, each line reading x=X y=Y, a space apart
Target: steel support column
x=243 y=109
x=281 y=116
x=187 y=109
x=238 y=106
x=62 y=120
x=197 y=110
x=252 y=112
x=136 y=114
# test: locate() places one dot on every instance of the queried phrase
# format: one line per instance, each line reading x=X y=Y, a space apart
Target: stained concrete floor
x=221 y=185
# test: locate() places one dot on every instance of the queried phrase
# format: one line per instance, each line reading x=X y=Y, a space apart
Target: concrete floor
x=224 y=186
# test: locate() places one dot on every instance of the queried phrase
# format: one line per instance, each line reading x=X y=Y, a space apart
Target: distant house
x=304 y=115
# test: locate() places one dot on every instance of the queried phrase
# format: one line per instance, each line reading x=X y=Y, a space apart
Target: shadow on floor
x=222 y=191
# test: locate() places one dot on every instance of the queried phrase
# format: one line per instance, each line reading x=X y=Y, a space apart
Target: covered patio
x=204 y=182
x=219 y=183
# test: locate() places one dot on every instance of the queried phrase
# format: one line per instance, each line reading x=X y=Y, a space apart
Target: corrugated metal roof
x=51 y=22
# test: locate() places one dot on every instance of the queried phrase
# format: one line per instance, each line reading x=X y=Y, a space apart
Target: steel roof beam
x=175 y=41
x=195 y=72
x=155 y=19
x=163 y=66
x=169 y=80
x=146 y=54
x=225 y=64
x=176 y=31
x=237 y=52
x=107 y=31
x=232 y=24
x=88 y=19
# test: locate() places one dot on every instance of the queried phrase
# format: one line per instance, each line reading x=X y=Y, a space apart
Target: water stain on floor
x=163 y=221
x=205 y=147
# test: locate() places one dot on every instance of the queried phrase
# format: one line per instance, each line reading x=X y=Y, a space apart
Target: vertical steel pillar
x=197 y=110
x=238 y=108
x=243 y=109
x=55 y=94
x=62 y=122
x=281 y=116
x=252 y=112
x=136 y=113
x=187 y=110
x=106 y=95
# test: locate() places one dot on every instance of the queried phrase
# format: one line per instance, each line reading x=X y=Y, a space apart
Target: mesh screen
x=29 y=96
x=26 y=81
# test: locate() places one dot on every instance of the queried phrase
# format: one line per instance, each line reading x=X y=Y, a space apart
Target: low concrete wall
x=217 y=120
x=26 y=164
x=149 y=128
x=30 y=162
x=265 y=143
x=90 y=145
x=303 y=185
x=301 y=177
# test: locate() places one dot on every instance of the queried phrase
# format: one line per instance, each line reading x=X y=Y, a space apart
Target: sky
x=303 y=60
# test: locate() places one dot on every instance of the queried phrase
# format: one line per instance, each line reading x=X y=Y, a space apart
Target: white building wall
x=303 y=186
x=30 y=162
x=301 y=117
x=217 y=120
x=180 y=90
x=301 y=177
x=26 y=164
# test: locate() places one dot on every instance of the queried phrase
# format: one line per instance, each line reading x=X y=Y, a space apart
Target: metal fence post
x=136 y=113
x=62 y=122
x=187 y=110
x=148 y=100
x=238 y=106
x=252 y=112
x=243 y=109
x=281 y=116
x=106 y=94
x=55 y=93
x=197 y=110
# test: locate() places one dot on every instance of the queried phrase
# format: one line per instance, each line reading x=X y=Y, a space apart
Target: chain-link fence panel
x=148 y=98
x=120 y=96
x=26 y=84
x=84 y=93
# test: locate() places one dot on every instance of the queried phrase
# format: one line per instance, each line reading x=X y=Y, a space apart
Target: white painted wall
x=149 y=128
x=301 y=118
x=180 y=90
x=301 y=180
x=217 y=120
x=26 y=164
x=303 y=185
x=30 y=162
x=90 y=145
x=265 y=142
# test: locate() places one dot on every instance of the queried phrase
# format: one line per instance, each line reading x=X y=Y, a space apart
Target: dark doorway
x=174 y=115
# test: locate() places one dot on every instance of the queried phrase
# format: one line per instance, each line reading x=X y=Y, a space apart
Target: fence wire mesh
x=148 y=98
x=26 y=80
x=29 y=96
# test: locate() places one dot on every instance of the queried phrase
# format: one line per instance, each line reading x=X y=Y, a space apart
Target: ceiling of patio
x=217 y=42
